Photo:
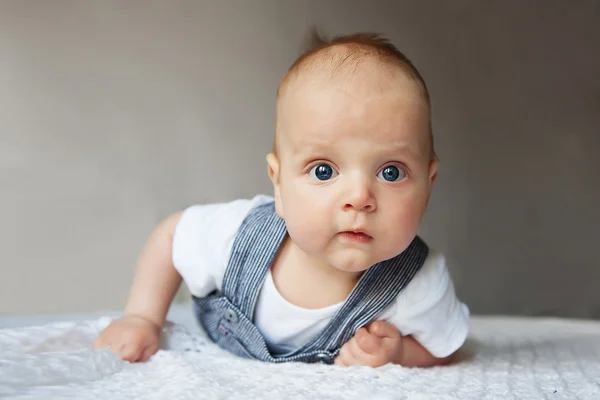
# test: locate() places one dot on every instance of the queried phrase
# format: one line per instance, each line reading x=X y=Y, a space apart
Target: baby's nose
x=360 y=198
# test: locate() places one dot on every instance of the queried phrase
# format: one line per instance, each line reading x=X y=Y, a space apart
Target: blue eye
x=391 y=174
x=322 y=172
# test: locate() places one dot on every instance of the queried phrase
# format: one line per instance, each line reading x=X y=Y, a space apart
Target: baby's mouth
x=356 y=236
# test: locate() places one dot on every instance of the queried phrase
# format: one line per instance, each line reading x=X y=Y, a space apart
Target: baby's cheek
x=396 y=240
x=307 y=233
x=405 y=221
x=305 y=214
x=302 y=223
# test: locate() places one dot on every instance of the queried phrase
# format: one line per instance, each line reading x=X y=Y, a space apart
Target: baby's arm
x=380 y=343
x=413 y=354
x=135 y=336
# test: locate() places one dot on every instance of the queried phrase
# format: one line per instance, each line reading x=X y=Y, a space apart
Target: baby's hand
x=378 y=344
x=133 y=338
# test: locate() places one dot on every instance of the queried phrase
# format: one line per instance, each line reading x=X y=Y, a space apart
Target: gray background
x=114 y=114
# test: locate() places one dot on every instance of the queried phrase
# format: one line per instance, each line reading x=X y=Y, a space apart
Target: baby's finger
x=345 y=358
x=130 y=352
x=366 y=342
x=360 y=357
x=148 y=352
x=383 y=329
x=375 y=358
x=339 y=361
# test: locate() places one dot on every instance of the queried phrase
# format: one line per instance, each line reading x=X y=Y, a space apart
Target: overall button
x=231 y=316
x=323 y=358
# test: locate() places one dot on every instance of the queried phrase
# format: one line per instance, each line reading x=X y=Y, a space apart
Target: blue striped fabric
x=227 y=316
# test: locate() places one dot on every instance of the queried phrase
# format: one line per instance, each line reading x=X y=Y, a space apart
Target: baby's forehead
x=325 y=116
x=366 y=93
x=369 y=90
x=351 y=94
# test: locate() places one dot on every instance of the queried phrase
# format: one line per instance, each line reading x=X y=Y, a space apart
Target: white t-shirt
x=427 y=308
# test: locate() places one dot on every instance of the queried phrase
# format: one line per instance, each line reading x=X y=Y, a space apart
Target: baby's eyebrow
x=321 y=148
x=402 y=147
x=312 y=146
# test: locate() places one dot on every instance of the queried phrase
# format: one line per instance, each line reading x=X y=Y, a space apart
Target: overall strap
x=252 y=254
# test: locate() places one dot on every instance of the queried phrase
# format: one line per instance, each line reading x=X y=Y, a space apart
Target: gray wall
x=114 y=114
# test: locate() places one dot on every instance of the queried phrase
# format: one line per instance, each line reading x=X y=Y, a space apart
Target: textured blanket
x=504 y=358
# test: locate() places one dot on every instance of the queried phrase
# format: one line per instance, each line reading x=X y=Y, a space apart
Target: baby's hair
x=358 y=46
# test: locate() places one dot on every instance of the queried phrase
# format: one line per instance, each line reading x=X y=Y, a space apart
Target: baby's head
x=353 y=161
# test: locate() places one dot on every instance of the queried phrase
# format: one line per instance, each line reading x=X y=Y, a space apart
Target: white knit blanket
x=504 y=358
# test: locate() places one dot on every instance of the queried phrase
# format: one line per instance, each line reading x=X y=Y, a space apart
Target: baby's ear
x=433 y=170
x=273 y=168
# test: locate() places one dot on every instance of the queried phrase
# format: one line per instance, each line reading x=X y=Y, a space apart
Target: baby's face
x=353 y=172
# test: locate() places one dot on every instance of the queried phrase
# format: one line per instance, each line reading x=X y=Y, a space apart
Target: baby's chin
x=357 y=261
x=355 y=264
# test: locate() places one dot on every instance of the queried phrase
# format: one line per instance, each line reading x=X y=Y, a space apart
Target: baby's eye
x=322 y=172
x=392 y=173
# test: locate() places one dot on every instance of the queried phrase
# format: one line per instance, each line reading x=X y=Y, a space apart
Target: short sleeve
x=429 y=310
x=203 y=239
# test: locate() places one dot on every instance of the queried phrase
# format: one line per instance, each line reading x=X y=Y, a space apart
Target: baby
x=330 y=269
